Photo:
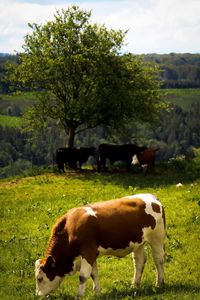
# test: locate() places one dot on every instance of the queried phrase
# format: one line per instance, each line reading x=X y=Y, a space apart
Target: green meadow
x=10 y=121
x=19 y=96
x=182 y=97
x=31 y=205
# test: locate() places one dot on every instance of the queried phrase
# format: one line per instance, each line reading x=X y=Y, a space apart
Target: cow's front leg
x=95 y=278
x=85 y=273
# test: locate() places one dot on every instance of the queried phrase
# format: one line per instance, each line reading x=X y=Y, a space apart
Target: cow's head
x=46 y=276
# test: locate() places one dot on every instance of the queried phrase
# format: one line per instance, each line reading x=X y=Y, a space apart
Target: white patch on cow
x=135 y=160
x=179 y=185
x=90 y=211
x=85 y=267
x=76 y=265
x=44 y=286
x=149 y=199
x=37 y=264
x=119 y=252
x=147 y=231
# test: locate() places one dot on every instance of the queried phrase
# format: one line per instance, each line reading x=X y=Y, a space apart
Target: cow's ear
x=50 y=262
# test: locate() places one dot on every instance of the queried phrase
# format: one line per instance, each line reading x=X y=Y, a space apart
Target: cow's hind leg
x=139 y=258
x=158 y=256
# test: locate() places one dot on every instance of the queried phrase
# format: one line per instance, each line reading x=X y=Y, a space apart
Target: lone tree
x=81 y=77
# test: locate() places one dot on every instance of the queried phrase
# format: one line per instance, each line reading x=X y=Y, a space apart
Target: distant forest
x=176 y=70
x=176 y=135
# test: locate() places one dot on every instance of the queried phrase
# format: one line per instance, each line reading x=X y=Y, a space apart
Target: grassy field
x=10 y=121
x=10 y=102
x=30 y=206
x=182 y=97
x=19 y=96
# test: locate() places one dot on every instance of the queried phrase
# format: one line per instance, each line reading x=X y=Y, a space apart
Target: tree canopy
x=82 y=78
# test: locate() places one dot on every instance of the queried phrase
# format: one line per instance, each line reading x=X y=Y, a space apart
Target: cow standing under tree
x=117 y=153
x=116 y=227
x=72 y=156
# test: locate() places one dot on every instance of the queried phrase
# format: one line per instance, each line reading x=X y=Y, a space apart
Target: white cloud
x=159 y=25
x=154 y=25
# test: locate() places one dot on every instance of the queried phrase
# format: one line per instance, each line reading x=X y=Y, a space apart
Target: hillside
x=31 y=205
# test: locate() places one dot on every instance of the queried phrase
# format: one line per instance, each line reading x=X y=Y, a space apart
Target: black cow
x=117 y=152
x=66 y=155
x=72 y=156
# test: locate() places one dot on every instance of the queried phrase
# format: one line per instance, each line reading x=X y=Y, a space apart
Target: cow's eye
x=40 y=279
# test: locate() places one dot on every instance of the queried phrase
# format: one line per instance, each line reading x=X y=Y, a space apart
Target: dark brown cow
x=116 y=227
x=146 y=159
x=117 y=152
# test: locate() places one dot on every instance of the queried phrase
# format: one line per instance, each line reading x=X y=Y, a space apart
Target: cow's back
x=117 y=152
x=116 y=224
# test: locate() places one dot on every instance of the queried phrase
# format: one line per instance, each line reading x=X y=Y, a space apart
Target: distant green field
x=10 y=121
x=16 y=102
x=182 y=97
x=24 y=96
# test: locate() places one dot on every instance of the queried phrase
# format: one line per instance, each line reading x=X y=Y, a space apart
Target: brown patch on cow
x=155 y=207
x=147 y=157
x=120 y=222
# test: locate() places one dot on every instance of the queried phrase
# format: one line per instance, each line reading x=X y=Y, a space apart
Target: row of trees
x=177 y=70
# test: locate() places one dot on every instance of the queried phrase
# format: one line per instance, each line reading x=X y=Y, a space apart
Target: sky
x=154 y=26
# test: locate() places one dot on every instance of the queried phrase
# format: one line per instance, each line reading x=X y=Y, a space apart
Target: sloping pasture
x=29 y=207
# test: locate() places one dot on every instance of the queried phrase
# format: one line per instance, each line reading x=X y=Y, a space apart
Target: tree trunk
x=71 y=137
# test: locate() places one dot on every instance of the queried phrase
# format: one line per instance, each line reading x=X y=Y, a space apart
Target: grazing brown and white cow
x=116 y=227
